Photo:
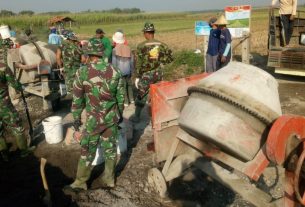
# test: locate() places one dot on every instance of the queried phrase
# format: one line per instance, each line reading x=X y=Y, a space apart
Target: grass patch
x=185 y=63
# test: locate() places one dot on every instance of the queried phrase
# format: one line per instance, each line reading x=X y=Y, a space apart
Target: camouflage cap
x=69 y=35
x=149 y=27
x=94 y=50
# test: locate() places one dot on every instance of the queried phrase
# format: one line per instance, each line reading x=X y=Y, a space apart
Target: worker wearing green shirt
x=100 y=41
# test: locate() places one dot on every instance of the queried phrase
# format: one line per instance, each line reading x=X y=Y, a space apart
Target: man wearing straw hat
x=9 y=117
x=150 y=56
x=225 y=42
x=69 y=56
x=98 y=88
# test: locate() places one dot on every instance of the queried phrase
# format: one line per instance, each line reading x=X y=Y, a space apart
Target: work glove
x=137 y=82
x=77 y=123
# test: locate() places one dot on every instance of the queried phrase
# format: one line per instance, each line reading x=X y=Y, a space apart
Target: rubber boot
x=82 y=176
x=136 y=117
x=107 y=179
x=23 y=146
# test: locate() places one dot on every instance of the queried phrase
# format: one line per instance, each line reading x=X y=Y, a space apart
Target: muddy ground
x=21 y=185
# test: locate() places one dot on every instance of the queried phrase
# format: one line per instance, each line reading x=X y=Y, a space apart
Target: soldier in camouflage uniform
x=69 y=56
x=9 y=117
x=5 y=44
x=98 y=88
x=150 y=56
x=103 y=43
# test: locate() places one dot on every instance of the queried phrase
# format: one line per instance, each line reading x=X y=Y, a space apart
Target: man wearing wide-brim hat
x=98 y=88
x=225 y=41
x=150 y=56
x=69 y=57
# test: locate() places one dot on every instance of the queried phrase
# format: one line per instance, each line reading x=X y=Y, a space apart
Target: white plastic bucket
x=5 y=32
x=53 y=129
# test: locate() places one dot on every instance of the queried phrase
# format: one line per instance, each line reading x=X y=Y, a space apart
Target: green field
x=135 y=28
x=239 y=23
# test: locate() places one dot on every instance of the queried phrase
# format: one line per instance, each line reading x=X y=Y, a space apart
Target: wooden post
x=246 y=50
x=205 y=49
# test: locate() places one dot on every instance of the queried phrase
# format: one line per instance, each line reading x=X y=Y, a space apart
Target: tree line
x=8 y=13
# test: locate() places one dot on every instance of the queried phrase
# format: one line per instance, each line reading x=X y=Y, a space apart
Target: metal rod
x=28 y=116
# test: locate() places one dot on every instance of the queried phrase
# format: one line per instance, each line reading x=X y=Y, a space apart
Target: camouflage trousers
x=146 y=79
x=9 y=118
x=69 y=77
x=107 y=140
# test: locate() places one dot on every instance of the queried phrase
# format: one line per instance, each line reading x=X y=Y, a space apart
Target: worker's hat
x=221 y=20
x=99 y=31
x=67 y=34
x=148 y=27
x=118 y=38
x=212 y=20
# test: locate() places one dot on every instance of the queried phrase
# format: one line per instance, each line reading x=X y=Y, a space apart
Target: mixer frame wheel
x=157 y=181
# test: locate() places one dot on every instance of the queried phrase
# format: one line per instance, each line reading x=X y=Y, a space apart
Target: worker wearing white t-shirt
x=288 y=9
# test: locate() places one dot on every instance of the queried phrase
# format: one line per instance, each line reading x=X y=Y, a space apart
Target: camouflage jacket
x=71 y=55
x=7 y=77
x=150 y=55
x=104 y=43
x=5 y=44
x=99 y=89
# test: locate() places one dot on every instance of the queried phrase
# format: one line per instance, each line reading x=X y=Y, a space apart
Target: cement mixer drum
x=28 y=55
x=233 y=108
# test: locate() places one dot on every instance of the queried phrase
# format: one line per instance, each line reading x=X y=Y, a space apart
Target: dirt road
x=20 y=182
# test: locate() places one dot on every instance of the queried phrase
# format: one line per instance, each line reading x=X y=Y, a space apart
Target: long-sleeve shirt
x=214 y=38
x=7 y=78
x=287 y=6
x=151 y=54
x=225 y=39
x=99 y=89
x=54 y=39
x=5 y=44
x=123 y=59
x=103 y=42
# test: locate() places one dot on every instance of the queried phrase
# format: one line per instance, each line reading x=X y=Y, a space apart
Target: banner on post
x=239 y=18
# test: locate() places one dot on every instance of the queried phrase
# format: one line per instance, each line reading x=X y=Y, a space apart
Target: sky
x=146 y=5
